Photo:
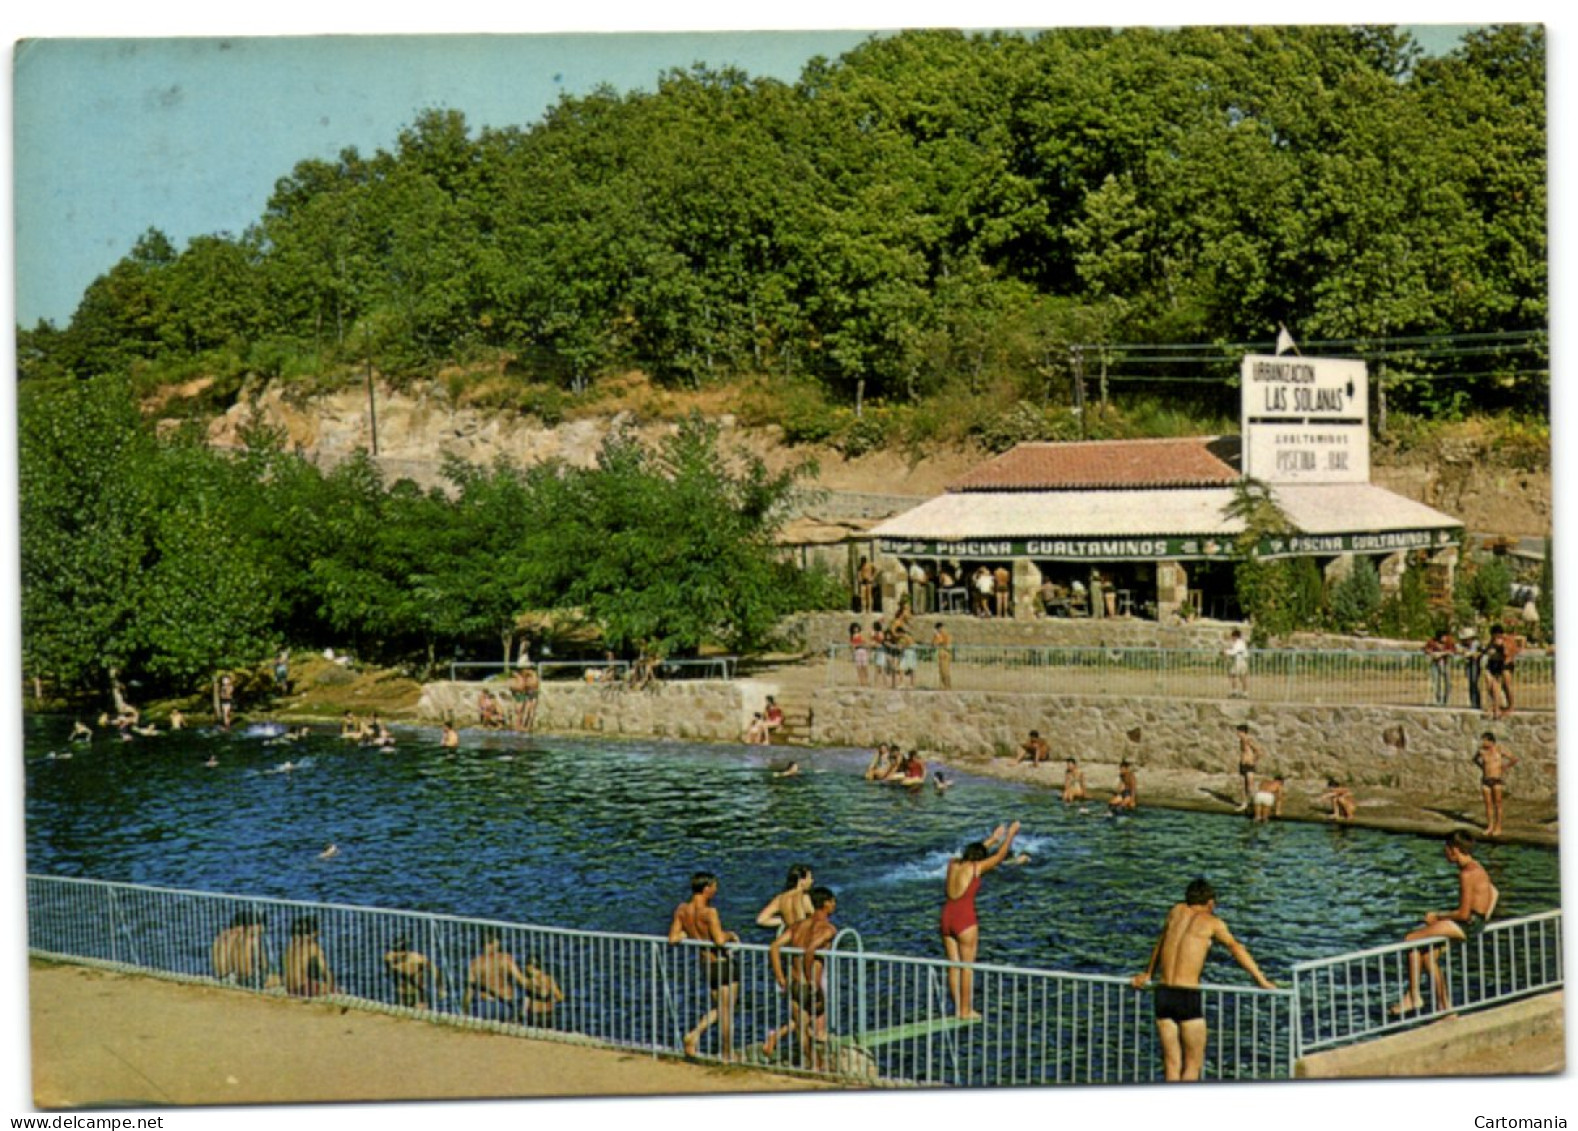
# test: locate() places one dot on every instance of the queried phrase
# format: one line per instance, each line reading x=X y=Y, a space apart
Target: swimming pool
x=604 y=836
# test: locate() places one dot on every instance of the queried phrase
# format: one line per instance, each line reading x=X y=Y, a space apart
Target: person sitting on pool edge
x=1341 y=800
x=1034 y=750
x=493 y=983
x=1128 y=796
x=1476 y=902
x=542 y=993
x=306 y=968
x=238 y=951
x=415 y=975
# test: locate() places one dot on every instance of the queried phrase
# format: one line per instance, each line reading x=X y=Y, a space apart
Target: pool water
x=604 y=835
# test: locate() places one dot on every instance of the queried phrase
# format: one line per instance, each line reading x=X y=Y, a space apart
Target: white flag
x=1284 y=340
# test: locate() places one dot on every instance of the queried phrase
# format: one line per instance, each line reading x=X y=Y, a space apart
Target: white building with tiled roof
x=1139 y=527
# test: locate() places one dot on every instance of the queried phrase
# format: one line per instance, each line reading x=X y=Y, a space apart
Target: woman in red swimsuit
x=960 y=931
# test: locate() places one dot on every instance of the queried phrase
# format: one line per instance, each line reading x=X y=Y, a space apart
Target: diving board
x=877 y=1037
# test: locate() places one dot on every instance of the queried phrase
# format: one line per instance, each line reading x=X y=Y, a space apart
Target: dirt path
x=101 y=1039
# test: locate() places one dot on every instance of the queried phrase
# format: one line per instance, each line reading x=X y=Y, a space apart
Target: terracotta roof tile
x=1198 y=461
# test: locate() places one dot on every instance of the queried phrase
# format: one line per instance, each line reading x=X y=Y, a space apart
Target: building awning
x=1158 y=524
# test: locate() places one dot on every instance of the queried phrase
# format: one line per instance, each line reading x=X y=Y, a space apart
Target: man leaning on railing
x=1191 y=927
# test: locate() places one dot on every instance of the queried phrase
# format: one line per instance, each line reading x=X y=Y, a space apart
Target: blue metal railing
x=1352 y=997
x=889 y=1019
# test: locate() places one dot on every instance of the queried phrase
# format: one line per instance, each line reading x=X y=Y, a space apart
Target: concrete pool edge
x=101 y=1038
x=1522 y=1038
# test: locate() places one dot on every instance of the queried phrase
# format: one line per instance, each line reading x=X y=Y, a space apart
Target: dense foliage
x=931 y=210
x=164 y=560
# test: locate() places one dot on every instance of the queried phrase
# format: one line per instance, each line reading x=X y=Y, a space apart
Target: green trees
x=674 y=550
x=933 y=208
x=165 y=561
x=132 y=555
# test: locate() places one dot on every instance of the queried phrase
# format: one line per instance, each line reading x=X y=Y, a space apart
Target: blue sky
x=114 y=136
x=189 y=135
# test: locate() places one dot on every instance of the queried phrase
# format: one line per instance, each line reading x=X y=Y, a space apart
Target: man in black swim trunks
x=697 y=919
x=1191 y=928
x=804 y=981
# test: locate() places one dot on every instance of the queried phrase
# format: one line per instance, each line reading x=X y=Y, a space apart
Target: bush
x=1024 y=423
x=1483 y=589
x=1356 y=599
x=805 y=417
x=866 y=433
x=1407 y=615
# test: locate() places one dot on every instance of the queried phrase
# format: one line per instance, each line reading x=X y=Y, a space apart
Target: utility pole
x=1078 y=375
x=372 y=403
x=1380 y=401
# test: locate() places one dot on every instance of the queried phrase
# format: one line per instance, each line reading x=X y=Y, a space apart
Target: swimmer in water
x=330 y=852
x=789 y=771
x=213 y=760
x=450 y=739
x=941 y=781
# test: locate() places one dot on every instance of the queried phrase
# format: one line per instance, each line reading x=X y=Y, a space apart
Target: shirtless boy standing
x=804 y=983
x=1249 y=752
x=1191 y=928
x=1493 y=761
x=697 y=919
x=1476 y=900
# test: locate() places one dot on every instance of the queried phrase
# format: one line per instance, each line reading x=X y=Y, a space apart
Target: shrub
x=1356 y=599
x=866 y=433
x=1407 y=615
x=1483 y=589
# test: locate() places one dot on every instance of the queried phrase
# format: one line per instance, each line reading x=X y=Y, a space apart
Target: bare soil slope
x=1467 y=478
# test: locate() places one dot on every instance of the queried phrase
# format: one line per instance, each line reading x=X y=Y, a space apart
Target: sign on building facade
x=1305 y=420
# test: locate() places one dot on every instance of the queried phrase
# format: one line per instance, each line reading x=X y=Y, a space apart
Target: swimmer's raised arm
x=996 y=858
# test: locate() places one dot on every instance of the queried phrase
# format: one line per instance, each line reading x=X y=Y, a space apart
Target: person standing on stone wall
x=1237 y=653
x=1440 y=648
x=942 y=643
x=1249 y=752
x=1472 y=654
x=861 y=655
x=1493 y=760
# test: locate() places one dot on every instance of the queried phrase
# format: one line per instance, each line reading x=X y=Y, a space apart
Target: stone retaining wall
x=1424 y=750
x=701 y=710
x=1417 y=749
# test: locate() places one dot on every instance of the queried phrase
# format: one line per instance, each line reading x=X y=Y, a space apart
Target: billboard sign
x=1306 y=419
